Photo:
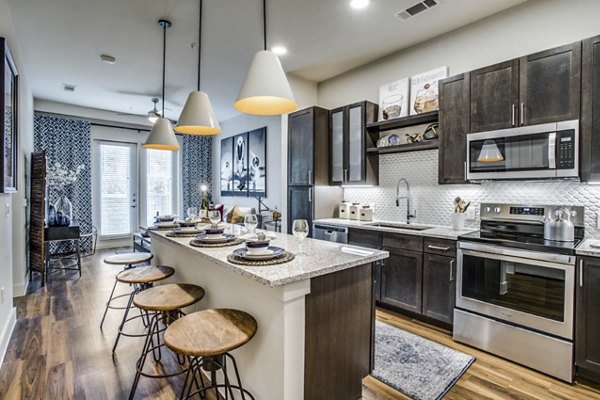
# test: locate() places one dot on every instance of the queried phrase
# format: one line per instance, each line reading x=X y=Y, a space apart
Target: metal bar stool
x=127 y=260
x=141 y=278
x=164 y=302
x=207 y=337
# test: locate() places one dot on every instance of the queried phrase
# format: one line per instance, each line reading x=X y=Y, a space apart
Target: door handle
x=514 y=115
x=310 y=176
x=451 y=270
x=522 y=113
x=432 y=247
x=580 y=273
x=310 y=195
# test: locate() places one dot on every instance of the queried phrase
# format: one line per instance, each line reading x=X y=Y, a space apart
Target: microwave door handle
x=552 y=150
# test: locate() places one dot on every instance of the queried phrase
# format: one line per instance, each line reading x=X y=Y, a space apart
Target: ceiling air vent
x=416 y=9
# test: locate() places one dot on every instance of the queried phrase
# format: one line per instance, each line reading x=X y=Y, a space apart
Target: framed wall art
x=243 y=164
x=9 y=125
x=424 y=90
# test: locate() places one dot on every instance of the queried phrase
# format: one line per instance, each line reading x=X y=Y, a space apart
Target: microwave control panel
x=565 y=151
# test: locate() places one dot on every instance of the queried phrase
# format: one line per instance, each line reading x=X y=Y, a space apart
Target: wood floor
x=57 y=351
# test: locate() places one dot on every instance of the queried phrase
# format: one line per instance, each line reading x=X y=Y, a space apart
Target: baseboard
x=20 y=289
x=7 y=332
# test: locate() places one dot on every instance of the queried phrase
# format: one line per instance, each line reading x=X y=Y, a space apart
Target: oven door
x=530 y=289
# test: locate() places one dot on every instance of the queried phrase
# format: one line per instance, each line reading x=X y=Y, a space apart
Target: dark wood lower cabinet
x=439 y=287
x=587 y=318
x=402 y=278
x=300 y=204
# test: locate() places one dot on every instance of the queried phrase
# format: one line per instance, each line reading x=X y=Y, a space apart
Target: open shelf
x=413 y=120
x=401 y=148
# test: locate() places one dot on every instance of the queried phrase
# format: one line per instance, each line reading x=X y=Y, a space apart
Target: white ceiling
x=60 y=41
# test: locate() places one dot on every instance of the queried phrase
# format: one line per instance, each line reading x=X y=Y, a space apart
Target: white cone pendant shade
x=198 y=117
x=266 y=90
x=162 y=136
x=490 y=152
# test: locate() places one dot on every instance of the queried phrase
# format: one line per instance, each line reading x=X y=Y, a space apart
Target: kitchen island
x=315 y=314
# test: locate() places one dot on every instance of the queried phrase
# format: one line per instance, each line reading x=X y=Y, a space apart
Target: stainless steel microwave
x=546 y=151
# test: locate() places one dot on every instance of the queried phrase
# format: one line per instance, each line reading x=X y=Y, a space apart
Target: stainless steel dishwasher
x=330 y=233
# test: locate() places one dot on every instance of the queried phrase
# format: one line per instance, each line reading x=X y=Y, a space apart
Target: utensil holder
x=458 y=221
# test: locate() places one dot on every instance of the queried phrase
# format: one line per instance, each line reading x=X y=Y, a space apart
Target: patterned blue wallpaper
x=196 y=161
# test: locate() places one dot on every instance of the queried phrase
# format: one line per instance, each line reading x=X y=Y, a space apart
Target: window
x=160 y=183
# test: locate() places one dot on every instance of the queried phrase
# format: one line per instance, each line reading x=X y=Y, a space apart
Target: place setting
x=164 y=222
x=215 y=235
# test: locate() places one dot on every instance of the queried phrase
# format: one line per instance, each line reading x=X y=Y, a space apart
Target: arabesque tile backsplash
x=434 y=202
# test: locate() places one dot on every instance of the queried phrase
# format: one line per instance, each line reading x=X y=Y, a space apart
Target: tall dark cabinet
x=309 y=193
x=349 y=161
x=454 y=119
x=590 y=111
x=587 y=318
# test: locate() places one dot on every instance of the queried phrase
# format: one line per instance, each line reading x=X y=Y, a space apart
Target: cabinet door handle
x=465 y=170
x=514 y=115
x=522 y=113
x=345 y=175
x=310 y=176
x=310 y=195
x=580 y=273
x=432 y=247
x=452 y=270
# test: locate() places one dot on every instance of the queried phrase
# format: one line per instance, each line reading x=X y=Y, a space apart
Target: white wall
x=527 y=28
x=12 y=211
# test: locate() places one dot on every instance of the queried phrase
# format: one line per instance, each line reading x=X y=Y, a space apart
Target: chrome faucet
x=406 y=197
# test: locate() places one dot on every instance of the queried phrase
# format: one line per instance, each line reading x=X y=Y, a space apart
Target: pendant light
x=490 y=152
x=162 y=136
x=266 y=90
x=198 y=117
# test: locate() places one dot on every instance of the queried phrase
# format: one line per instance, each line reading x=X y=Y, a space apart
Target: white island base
x=315 y=335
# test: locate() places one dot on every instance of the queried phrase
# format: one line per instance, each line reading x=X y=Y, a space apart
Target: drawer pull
x=432 y=247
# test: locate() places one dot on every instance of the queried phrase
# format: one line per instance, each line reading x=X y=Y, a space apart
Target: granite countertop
x=323 y=258
x=442 y=232
x=585 y=248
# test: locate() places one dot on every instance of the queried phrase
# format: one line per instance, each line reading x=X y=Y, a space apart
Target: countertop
x=585 y=248
x=442 y=232
x=322 y=258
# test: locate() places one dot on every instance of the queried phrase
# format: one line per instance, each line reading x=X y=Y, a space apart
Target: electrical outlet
x=471 y=215
x=1 y=295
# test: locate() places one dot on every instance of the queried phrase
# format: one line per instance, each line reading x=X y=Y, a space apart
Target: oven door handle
x=521 y=260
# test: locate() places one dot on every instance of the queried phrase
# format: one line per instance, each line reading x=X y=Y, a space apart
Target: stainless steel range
x=516 y=290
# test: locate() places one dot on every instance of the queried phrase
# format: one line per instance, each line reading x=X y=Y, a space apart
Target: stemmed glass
x=192 y=213
x=251 y=222
x=214 y=217
x=300 y=231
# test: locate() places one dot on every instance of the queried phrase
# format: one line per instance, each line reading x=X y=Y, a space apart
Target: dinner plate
x=202 y=238
x=186 y=230
x=274 y=253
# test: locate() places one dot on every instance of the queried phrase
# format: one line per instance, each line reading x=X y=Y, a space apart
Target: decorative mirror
x=8 y=125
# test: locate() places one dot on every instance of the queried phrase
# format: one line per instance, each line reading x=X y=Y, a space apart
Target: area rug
x=417 y=367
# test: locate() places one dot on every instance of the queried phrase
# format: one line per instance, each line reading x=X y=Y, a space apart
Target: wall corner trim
x=7 y=330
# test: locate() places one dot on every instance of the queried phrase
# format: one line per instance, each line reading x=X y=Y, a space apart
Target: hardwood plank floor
x=57 y=351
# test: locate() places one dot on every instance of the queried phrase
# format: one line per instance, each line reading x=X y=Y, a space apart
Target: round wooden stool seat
x=145 y=274
x=170 y=297
x=210 y=333
x=128 y=258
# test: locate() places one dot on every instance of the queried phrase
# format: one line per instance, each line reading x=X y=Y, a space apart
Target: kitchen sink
x=400 y=226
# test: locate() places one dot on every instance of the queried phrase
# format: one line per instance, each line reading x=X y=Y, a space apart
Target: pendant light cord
x=264 y=24
x=164 y=67
x=199 y=43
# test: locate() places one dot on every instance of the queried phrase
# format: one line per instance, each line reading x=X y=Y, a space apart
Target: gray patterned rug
x=417 y=367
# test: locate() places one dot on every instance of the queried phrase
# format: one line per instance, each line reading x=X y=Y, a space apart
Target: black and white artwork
x=243 y=164
x=257 y=162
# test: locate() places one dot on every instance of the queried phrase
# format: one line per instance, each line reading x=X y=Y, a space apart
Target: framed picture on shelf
x=243 y=164
x=8 y=127
x=393 y=100
x=424 y=90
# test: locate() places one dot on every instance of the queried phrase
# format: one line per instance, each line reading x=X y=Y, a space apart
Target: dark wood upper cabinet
x=439 y=287
x=349 y=161
x=494 y=96
x=590 y=111
x=587 y=318
x=402 y=279
x=550 y=85
x=454 y=119
x=308 y=147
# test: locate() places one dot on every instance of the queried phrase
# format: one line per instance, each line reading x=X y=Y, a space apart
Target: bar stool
x=206 y=338
x=128 y=260
x=141 y=278
x=165 y=303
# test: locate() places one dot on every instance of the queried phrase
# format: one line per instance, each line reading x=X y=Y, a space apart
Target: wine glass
x=215 y=217
x=251 y=222
x=192 y=213
x=300 y=231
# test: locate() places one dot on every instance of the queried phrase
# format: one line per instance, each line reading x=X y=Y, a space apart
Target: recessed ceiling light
x=279 y=50
x=358 y=4
x=108 y=58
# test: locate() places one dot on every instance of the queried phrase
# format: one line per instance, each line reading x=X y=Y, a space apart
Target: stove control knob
x=487 y=210
x=497 y=210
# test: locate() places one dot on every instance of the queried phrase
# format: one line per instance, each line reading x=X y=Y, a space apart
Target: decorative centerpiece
x=60 y=213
